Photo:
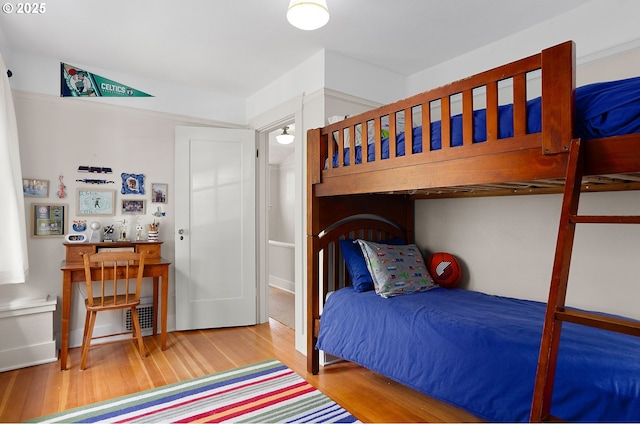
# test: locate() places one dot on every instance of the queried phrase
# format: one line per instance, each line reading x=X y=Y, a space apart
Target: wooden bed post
x=314 y=162
x=313 y=229
x=558 y=97
x=313 y=302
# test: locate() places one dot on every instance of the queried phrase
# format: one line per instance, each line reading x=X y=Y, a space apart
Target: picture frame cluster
x=92 y=200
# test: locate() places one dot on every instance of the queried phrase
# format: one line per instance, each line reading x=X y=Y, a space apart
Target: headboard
x=371 y=217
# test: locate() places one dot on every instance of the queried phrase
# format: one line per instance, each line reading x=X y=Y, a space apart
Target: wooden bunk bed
x=360 y=187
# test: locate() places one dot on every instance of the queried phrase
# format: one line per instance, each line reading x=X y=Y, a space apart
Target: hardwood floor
x=282 y=306
x=116 y=369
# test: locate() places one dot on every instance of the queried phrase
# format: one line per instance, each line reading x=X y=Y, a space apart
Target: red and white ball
x=445 y=269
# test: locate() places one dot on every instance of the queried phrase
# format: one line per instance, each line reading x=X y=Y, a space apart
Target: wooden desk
x=73 y=272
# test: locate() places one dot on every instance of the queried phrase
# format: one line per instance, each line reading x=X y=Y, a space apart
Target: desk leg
x=165 y=301
x=66 y=312
x=156 y=281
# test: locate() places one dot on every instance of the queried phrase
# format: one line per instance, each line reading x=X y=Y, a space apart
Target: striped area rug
x=266 y=392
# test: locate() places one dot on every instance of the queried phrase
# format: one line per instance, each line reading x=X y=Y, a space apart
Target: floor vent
x=145 y=317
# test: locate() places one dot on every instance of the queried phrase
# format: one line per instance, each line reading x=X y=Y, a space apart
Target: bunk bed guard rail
x=327 y=145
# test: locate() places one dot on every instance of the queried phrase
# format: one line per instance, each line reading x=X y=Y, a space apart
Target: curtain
x=14 y=264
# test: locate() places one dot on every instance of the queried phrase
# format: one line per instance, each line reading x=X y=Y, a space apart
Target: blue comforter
x=480 y=352
x=603 y=109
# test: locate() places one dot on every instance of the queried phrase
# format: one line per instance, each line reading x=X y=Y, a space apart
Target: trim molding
x=87 y=103
x=609 y=52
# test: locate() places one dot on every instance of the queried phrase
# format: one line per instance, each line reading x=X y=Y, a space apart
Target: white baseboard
x=282 y=284
x=27 y=356
x=27 y=338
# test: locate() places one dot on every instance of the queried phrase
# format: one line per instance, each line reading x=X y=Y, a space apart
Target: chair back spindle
x=119 y=275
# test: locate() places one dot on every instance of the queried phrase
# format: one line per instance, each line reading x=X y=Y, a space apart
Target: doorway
x=281 y=228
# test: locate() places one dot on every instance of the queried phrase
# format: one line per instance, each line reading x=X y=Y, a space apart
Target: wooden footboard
x=410 y=169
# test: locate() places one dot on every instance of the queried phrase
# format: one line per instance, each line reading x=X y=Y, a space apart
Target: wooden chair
x=110 y=279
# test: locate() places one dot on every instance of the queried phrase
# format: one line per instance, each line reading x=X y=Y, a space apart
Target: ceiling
x=237 y=47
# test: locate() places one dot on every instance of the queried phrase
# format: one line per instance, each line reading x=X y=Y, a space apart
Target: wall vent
x=145 y=317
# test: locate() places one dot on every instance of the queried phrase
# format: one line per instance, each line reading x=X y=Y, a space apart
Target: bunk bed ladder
x=556 y=312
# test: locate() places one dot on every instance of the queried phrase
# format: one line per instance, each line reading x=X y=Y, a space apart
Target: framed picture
x=132 y=183
x=35 y=188
x=95 y=202
x=159 y=192
x=48 y=220
x=135 y=207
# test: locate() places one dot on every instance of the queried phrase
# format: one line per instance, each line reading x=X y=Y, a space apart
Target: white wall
x=506 y=247
x=282 y=265
x=305 y=79
x=282 y=201
x=282 y=178
x=341 y=104
x=59 y=134
x=334 y=72
x=353 y=77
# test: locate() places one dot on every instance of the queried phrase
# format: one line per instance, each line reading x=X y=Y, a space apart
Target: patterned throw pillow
x=356 y=265
x=396 y=270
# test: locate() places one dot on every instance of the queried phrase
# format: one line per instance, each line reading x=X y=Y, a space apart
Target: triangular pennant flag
x=76 y=82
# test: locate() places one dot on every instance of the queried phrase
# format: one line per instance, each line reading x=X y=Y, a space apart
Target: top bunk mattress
x=603 y=109
x=480 y=352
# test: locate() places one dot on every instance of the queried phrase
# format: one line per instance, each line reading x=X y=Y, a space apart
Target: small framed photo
x=48 y=220
x=95 y=202
x=132 y=183
x=133 y=207
x=32 y=187
x=159 y=192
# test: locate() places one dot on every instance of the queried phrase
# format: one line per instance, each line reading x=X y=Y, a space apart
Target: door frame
x=263 y=185
x=290 y=111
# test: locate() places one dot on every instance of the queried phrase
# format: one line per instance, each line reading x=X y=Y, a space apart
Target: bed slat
x=445 y=122
x=325 y=272
x=492 y=111
x=377 y=126
x=352 y=145
x=426 y=125
x=467 y=117
x=392 y=136
x=340 y=148
x=519 y=104
x=408 y=132
x=365 y=141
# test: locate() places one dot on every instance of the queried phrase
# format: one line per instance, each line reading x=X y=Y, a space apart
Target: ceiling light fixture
x=308 y=14
x=285 y=138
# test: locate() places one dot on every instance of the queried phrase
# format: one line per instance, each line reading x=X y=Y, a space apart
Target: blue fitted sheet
x=603 y=109
x=480 y=352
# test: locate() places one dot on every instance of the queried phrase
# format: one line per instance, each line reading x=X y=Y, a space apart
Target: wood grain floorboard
x=116 y=369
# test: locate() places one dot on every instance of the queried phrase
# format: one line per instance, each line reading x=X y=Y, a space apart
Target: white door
x=215 y=238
